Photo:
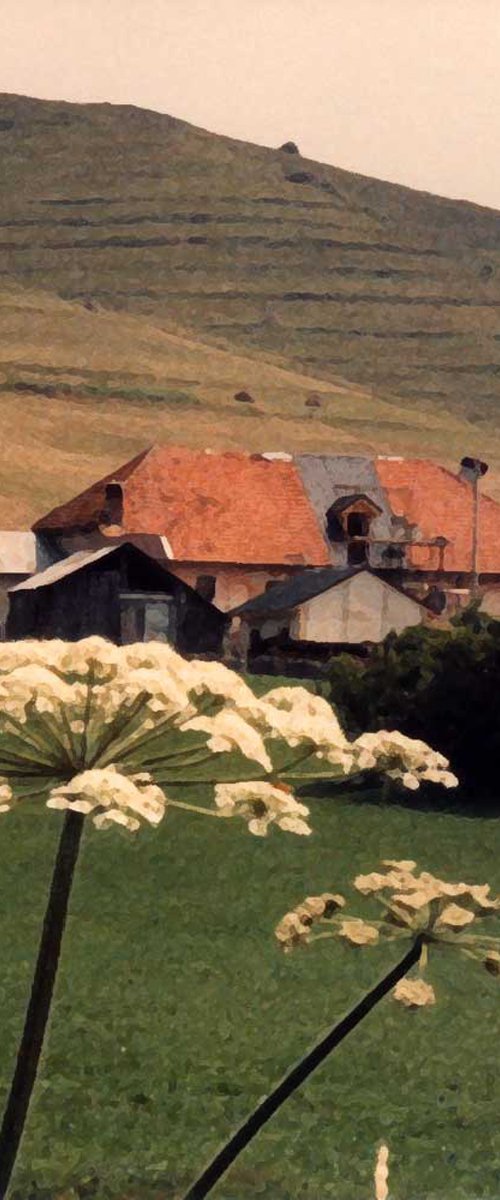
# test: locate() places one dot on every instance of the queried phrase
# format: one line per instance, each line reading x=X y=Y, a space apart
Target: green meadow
x=175 y=1012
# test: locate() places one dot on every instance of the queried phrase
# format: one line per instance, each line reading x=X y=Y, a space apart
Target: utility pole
x=471 y=471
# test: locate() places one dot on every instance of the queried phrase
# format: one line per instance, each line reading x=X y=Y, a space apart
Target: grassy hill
x=253 y=246
x=147 y=263
x=82 y=390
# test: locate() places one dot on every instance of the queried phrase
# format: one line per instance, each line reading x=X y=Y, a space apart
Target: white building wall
x=362 y=609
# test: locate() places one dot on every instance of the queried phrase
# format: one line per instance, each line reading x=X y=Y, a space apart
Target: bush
x=438 y=685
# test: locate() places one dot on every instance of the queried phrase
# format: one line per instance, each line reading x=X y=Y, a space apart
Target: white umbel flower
x=112 y=797
x=262 y=805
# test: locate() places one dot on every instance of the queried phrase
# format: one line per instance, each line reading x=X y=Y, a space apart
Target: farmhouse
x=402 y=538
x=226 y=523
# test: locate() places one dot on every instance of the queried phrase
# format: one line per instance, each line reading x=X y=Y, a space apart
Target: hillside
x=254 y=248
x=82 y=390
x=150 y=270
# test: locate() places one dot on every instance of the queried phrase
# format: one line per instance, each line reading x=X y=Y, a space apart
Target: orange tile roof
x=440 y=504
x=212 y=507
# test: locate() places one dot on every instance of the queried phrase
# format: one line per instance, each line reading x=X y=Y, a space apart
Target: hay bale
x=244 y=397
x=300 y=177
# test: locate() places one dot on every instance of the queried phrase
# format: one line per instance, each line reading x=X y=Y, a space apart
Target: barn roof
x=212 y=507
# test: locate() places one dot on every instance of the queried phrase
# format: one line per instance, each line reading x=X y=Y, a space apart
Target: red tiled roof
x=440 y=504
x=212 y=507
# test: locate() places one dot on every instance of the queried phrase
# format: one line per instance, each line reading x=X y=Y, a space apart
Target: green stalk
x=42 y=989
x=225 y=1157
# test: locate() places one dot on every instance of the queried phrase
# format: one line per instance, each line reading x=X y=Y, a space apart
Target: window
x=357 y=553
x=146 y=618
x=358 y=524
x=205 y=586
x=112 y=513
x=351 y=517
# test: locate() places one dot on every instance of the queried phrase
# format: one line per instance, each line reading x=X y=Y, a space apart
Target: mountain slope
x=255 y=249
x=82 y=391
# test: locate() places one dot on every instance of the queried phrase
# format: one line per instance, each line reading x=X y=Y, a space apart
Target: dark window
x=112 y=513
x=335 y=529
x=357 y=524
x=357 y=553
x=205 y=586
x=146 y=618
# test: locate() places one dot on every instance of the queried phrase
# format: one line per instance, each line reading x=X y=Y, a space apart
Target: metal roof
x=67 y=566
x=297 y=590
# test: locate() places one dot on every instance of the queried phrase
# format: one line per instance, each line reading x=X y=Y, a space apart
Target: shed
x=119 y=592
x=319 y=611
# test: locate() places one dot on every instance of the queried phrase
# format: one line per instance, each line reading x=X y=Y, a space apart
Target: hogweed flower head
x=110 y=730
x=415 y=906
x=262 y=804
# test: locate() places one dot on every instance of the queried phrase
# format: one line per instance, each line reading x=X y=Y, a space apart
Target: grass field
x=175 y=1013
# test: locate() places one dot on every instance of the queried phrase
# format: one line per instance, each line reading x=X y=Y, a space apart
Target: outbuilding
x=119 y=592
x=306 y=619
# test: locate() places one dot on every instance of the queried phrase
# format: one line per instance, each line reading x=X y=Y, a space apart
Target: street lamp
x=471 y=471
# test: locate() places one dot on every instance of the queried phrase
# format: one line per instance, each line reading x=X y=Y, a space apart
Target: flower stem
x=196 y=808
x=41 y=996
x=313 y=1059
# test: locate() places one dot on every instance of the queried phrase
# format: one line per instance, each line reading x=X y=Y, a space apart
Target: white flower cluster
x=417 y=906
x=412 y=892
x=405 y=759
x=71 y=710
x=118 y=798
x=261 y=804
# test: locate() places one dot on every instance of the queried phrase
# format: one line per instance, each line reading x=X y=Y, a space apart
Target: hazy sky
x=407 y=90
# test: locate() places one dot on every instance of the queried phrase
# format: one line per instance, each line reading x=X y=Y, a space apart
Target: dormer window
x=358 y=524
x=112 y=513
x=348 y=521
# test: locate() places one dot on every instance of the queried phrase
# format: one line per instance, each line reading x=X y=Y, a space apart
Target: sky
x=405 y=90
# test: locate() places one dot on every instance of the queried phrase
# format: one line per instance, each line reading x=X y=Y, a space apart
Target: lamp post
x=471 y=471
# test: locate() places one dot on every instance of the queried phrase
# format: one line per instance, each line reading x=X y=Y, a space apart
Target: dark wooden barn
x=120 y=593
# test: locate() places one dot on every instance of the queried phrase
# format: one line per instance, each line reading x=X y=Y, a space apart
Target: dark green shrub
x=439 y=685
